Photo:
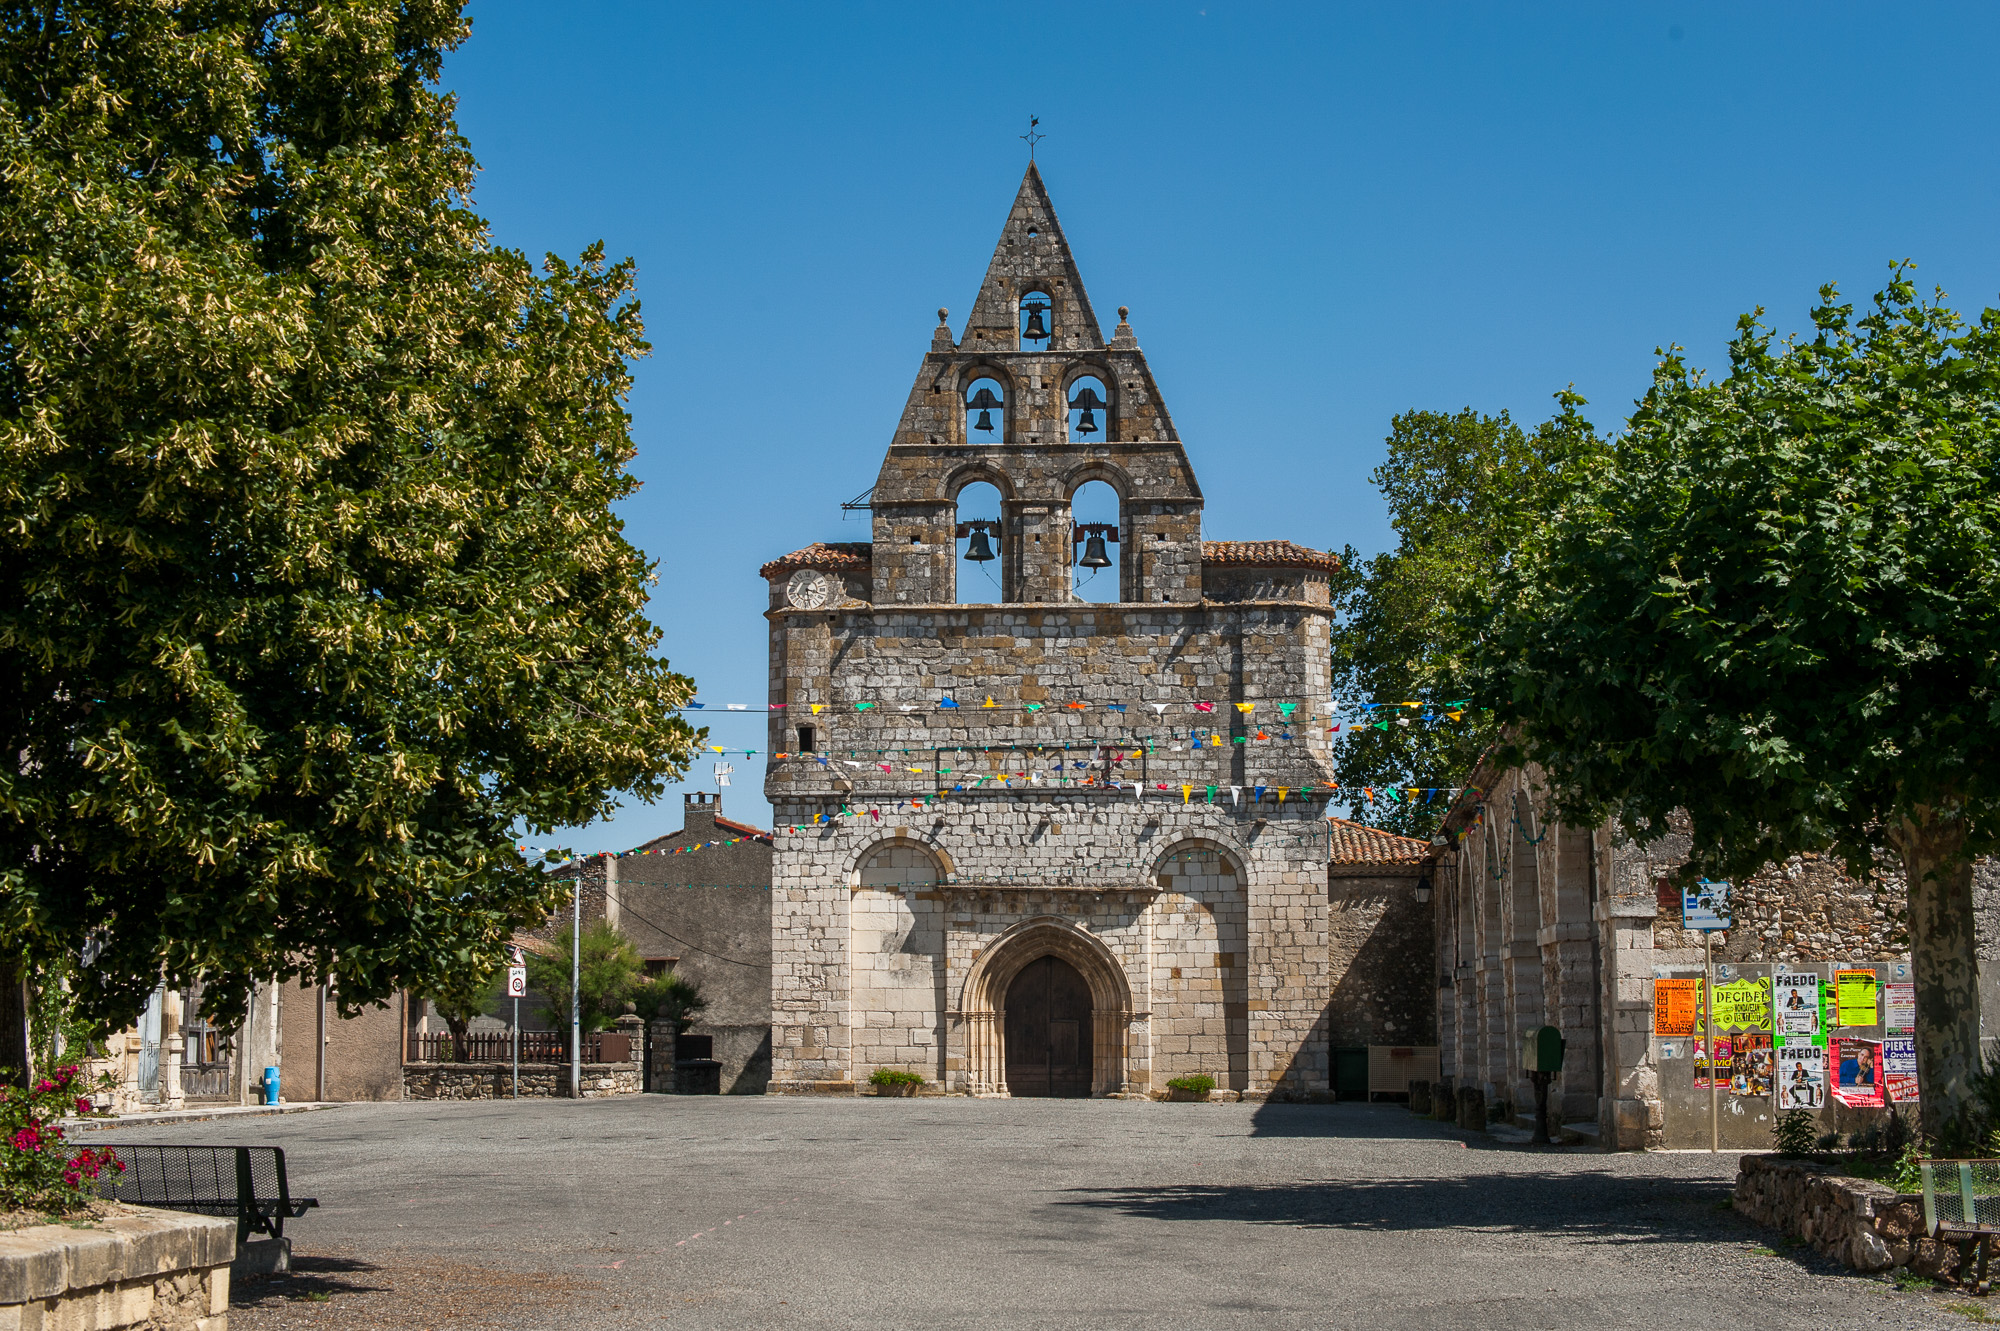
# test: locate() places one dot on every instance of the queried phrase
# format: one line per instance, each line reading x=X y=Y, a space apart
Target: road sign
x=517 y=981
x=1705 y=906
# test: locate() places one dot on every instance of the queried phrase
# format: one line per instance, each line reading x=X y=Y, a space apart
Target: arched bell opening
x=1087 y=411
x=1096 y=513
x=1037 y=321
x=1043 y=971
x=985 y=412
x=979 y=573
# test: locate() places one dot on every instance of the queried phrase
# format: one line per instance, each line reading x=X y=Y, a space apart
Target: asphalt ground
x=728 y=1212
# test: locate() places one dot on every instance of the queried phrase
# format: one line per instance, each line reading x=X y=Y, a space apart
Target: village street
x=703 y=1212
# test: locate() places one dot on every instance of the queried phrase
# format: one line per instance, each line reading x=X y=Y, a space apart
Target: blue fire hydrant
x=270 y=1086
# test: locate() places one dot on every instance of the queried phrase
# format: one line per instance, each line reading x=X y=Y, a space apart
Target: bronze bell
x=1086 y=401
x=1036 y=331
x=1094 y=555
x=985 y=404
x=978 y=549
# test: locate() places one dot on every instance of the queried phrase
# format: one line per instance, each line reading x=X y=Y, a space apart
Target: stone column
x=1630 y=1113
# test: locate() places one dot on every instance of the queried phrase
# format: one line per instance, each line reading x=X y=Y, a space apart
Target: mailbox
x=1542 y=1050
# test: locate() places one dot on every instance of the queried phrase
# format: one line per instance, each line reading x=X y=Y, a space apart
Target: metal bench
x=1962 y=1206
x=247 y=1182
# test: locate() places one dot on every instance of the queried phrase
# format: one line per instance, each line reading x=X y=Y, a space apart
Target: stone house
x=698 y=901
x=1047 y=846
x=1541 y=924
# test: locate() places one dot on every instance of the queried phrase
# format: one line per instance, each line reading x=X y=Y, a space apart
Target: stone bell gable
x=1003 y=858
x=1031 y=456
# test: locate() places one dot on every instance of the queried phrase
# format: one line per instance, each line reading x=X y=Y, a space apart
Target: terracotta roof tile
x=1266 y=554
x=838 y=555
x=1356 y=844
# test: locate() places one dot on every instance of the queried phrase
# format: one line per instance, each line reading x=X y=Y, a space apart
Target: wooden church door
x=1048 y=1030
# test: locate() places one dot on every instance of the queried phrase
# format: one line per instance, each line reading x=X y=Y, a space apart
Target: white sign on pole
x=1705 y=906
x=517 y=981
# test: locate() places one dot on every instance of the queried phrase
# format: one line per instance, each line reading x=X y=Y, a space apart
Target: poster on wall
x=1797 y=1000
x=1744 y=1005
x=1750 y=1063
x=1899 y=1069
x=1714 y=1072
x=1855 y=998
x=1899 y=1008
x=1676 y=1007
x=1857 y=1073
x=1801 y=1076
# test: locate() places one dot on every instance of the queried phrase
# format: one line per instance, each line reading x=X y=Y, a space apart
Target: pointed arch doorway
x=1049 y=1031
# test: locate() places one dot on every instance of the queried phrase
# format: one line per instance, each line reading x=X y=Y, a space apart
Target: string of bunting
x=1453 y=710
x=1392 y=794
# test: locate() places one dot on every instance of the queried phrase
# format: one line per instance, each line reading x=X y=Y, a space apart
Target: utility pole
x=576 y=988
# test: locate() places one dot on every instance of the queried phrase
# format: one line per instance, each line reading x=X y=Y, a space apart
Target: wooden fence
x=536 y=1047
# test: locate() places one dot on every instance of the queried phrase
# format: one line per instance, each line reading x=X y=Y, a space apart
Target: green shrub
x=1199 y=1084
x=1793 y=1132
x=895 y=1077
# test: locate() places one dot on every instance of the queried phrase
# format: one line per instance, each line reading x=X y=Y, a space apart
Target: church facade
x=1047 y=846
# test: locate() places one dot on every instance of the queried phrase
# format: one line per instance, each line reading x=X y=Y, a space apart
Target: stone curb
x=49 y=1261
x=197 y=1115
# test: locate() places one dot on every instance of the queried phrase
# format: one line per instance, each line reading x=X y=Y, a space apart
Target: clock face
x=809 y=589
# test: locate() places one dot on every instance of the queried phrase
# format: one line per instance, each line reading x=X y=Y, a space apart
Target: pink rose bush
x=39 y=1170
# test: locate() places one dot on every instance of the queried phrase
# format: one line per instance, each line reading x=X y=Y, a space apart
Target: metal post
x=1708 y=1007
x=517 y=1046
x=576 y=987
x=319 y=1080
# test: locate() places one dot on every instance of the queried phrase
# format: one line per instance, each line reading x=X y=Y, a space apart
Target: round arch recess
x=985 y=997
x=899 y=862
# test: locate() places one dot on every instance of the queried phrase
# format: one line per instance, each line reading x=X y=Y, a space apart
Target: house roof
x=1266 y=554
x=836 y=555
x=1354 y=844
x=722 y=824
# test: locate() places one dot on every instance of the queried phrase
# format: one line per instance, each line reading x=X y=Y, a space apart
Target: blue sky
x=1319 y=215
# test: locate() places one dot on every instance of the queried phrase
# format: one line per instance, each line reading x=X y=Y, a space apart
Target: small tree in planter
x=894 y=1081
x=38 y=1169
x=1195 y=1087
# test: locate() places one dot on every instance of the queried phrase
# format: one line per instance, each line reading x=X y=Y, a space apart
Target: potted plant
x=893 y=1081
x=1195 y=1087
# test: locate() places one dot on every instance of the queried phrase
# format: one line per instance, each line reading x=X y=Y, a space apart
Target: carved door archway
x=1048 y=1031
x=1104 y=1008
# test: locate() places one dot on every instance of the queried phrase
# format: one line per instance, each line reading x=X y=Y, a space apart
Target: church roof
x=1266 y=554
x=1355 y=844
x=837 y=555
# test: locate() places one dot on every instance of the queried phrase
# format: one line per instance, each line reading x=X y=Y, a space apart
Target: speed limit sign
x=517 y=981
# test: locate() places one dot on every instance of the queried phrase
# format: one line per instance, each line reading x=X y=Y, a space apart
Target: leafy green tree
x=461 y=995
x=1777 y=606
x=1463 y=490
x=610 y=975
x=311 y=595
x=670 y=997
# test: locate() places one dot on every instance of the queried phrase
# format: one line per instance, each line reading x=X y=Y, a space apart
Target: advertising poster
x=1797 y=999
x=1750 y=1063
x=1676 y=1007
x=1854 y=999
x=1899 y=1008
x=1802 y=1076
x=1744 y=1005
x=1857 y=1073
x=1899 y=1070
x=1716 y=1073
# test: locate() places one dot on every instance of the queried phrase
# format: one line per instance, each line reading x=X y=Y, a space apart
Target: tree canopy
x=1775 y=605
x=1463 y=490
x=311 y=593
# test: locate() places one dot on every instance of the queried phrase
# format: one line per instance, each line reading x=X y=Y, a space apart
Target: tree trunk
x=1946 y=962
x=457 y=1028
x=16 y=1063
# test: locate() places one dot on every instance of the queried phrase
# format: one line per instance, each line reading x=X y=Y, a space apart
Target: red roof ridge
x=744 y=828
x=1280 y=554
x=822 y=554
x=1357 y=843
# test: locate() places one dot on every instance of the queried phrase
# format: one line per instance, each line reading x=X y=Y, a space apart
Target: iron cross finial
x=1031 y=137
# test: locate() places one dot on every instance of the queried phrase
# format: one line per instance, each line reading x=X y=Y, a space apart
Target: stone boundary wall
x=1858 y=1223
x=494 y=1081
x=136 y=1268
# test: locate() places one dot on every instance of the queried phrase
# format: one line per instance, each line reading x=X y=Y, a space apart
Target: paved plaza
x=656 y=1211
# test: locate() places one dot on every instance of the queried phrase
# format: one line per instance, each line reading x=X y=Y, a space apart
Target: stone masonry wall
x=1380 y=955
x=494 y=1081
x=133 y=1270
x=1860 y=1224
